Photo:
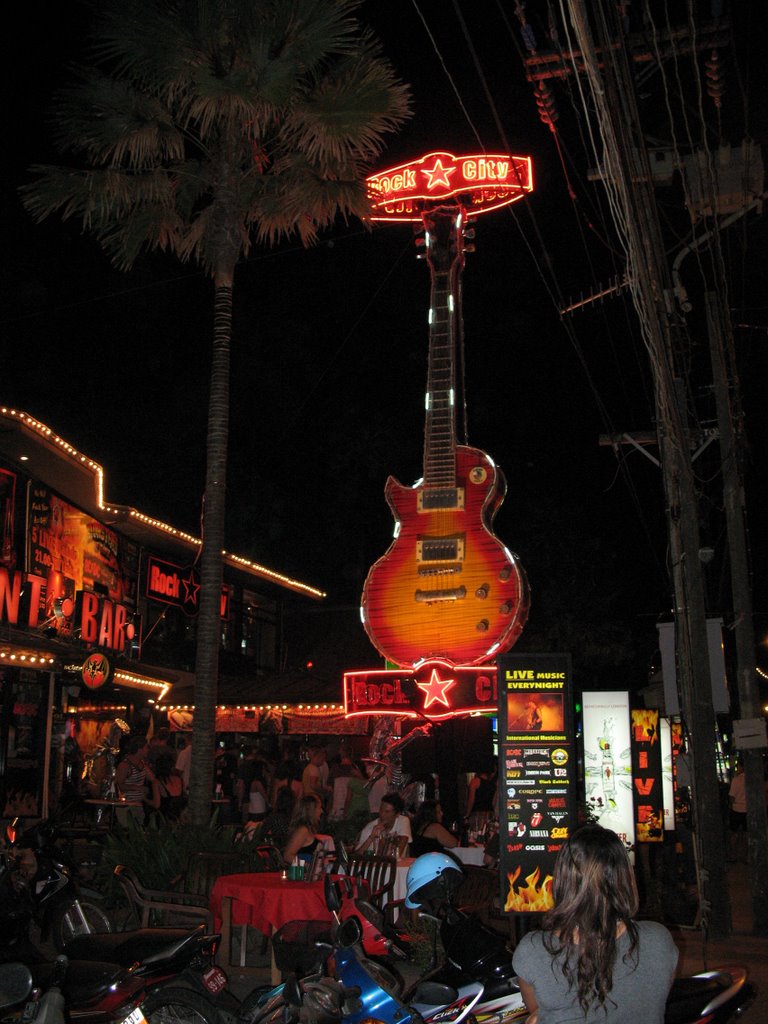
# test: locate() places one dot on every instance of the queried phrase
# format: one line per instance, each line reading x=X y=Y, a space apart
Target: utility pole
x=627 y=170
x=726 y=385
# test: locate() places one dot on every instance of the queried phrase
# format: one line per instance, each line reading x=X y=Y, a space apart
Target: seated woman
x=593 y=962
x=304 y=840
x=429 y=834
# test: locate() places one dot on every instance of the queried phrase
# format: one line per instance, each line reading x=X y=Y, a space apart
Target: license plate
x=215 y=980
x=135 y=1017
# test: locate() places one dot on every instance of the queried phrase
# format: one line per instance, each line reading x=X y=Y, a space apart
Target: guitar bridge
x=430 y=596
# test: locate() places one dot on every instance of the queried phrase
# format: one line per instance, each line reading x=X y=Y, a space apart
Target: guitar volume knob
x=505 y=573
x=482 y=626
x=505 y=608
x=482 y=591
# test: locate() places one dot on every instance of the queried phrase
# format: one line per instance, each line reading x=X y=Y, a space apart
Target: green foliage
x=159 y=852
x=348 y=829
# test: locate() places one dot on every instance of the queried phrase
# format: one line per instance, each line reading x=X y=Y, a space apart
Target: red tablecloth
x=267 y=901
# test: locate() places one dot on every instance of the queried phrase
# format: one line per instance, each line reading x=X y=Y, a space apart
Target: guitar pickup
x=440 y=497
x=430 y=596
x=440 y=549
x=439 y=570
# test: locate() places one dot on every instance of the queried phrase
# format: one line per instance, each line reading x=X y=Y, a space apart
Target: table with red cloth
x=264 y=900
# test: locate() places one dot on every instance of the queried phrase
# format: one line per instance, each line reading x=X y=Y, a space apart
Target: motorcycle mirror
x=349 y=933
x=15 y=984
x=332 y=895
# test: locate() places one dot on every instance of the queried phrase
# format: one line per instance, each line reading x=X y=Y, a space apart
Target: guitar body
x=447 y=587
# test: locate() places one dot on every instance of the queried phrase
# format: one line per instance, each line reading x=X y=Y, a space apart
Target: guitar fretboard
x=440 y=425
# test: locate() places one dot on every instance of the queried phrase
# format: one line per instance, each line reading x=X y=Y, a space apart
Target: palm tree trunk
x=214 y=508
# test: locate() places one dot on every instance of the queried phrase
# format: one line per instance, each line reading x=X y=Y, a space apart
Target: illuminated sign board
x=481 y=183
x=180 y=587
x=435 y=689
x=607 y=762
x=667 y=774
x=26 y=598
x=646 y=775
x=537 y=775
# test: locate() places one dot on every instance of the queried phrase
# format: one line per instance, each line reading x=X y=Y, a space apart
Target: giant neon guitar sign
x=447 y=588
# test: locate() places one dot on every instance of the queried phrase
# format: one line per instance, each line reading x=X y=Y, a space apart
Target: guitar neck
x=446 y=262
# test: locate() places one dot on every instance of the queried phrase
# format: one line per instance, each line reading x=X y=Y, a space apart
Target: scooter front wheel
x=80 y=917
x=179 y=1006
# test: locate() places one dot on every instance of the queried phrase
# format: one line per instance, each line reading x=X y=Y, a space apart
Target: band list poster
x=537 y=775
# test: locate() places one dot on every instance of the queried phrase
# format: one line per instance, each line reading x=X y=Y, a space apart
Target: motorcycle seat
x=433 y=993
x=85 y=981
x=689 y=996
x=144 y=946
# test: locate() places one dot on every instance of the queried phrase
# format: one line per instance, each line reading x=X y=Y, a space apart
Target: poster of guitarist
x=535 y=713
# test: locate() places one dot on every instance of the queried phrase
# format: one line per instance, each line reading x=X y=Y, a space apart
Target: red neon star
x=439 y=175
x=436 y=690
x=191 y=588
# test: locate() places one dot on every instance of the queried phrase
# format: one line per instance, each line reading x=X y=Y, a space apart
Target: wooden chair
x=479 y=893
x=378 y=871
x=156 y=906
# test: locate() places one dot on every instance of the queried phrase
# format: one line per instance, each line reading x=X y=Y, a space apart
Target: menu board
x=537 y=773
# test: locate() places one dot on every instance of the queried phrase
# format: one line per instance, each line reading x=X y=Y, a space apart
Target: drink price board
x=537 y=775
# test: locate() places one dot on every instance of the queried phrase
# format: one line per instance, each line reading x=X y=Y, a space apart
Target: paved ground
x=696 y=954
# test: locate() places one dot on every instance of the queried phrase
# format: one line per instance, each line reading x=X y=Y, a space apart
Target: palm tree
x=201 y=127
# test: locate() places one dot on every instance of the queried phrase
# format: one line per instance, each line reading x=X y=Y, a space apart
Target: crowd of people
x=296 y=802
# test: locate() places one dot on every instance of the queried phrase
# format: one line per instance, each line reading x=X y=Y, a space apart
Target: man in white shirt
x=391 y=822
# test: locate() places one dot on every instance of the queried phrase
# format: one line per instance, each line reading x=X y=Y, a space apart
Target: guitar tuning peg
x=419 y=241
x=470 y=233
x=469 y=248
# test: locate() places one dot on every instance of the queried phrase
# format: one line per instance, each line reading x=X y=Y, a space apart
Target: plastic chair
x=165 y=902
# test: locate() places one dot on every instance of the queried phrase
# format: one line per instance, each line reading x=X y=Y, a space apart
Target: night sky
x=330 y=346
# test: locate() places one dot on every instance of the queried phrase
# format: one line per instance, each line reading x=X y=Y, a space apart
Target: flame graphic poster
x=608 y=762
x=646 y=775
x=537 y=775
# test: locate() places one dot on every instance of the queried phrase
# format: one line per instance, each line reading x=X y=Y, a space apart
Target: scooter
x=36 y=877
x=378 y=937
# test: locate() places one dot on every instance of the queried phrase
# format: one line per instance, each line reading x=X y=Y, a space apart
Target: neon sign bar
x=483 y=182
x=434 y=689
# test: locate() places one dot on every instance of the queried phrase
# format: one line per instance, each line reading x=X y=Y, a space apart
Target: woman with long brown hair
x=592 y=962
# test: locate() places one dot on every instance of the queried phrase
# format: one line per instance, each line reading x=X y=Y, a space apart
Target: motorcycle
x=175 y=960
x=38 y=885
x=93 y=992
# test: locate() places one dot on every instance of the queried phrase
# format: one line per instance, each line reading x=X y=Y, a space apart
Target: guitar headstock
x=444 y=236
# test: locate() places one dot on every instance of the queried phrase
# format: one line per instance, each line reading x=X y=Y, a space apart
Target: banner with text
x=537 y=774
x=646 y=775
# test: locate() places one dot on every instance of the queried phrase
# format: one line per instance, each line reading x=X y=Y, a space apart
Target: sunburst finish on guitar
x=447 y=587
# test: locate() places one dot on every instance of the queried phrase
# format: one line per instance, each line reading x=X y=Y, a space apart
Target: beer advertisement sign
x=537 y=775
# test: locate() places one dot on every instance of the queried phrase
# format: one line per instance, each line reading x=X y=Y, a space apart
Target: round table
x=113 y=804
